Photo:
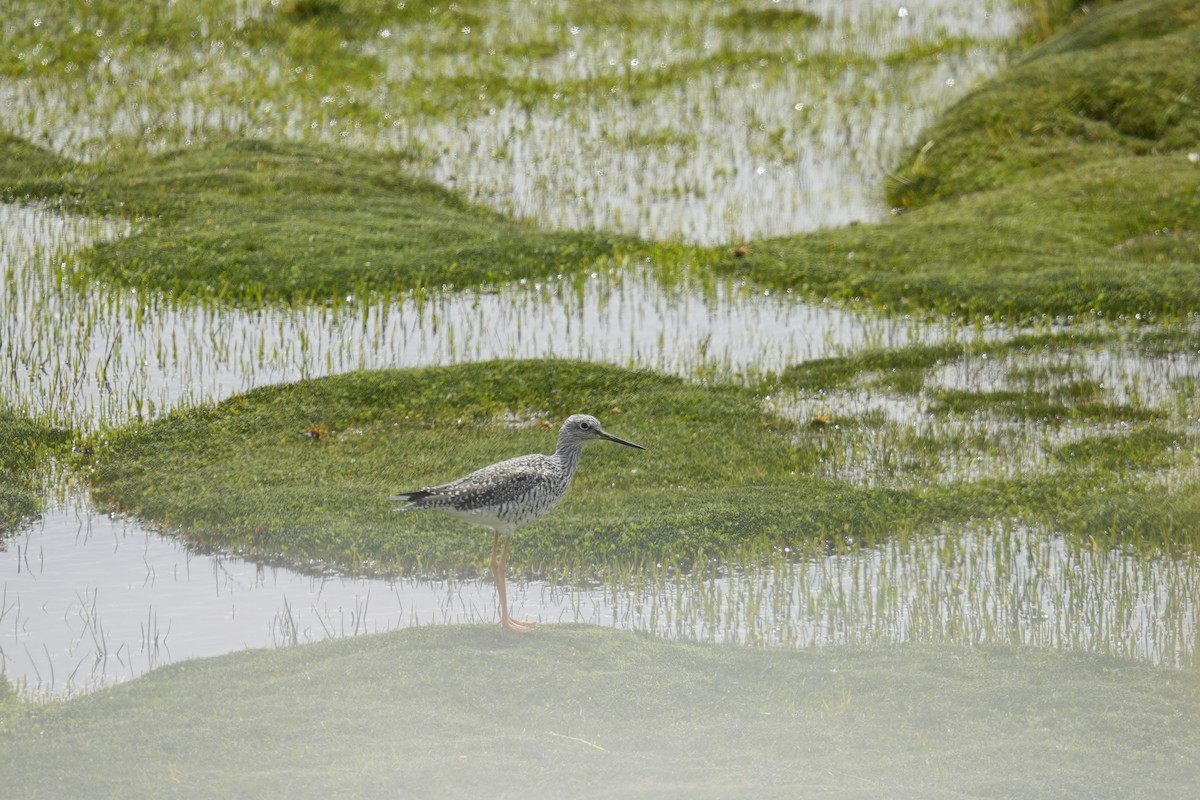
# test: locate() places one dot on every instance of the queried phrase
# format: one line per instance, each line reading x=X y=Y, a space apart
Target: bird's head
x=582 y=428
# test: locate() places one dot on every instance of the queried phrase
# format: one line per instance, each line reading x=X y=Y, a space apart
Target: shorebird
x=508 y=494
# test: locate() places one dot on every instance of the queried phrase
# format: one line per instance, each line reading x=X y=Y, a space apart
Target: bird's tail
x=411 y=498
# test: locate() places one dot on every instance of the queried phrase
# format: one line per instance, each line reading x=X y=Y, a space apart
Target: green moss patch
x=301 y=472
x=28 y=171
x=836 y=372
x=893 y=367
x=1115 y=516
x=1146 y=447
x=1122 y=83
x=1070 y=401
x=245 y=221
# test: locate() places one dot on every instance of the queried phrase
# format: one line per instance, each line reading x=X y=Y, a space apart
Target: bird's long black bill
x=619 y=440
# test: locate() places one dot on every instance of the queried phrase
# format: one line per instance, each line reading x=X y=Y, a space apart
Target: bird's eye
x=583 y=426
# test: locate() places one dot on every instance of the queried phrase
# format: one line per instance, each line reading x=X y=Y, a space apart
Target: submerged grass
x=585 y=712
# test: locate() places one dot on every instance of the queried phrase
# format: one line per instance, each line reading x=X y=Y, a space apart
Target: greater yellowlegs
x=507 y=494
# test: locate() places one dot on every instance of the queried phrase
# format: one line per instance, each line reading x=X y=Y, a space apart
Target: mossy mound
x=248 y=221
x=1112 y=238
x=302 y=471
x=576 y=711
x=30 y=172
x=1064 y=187
x=1122 y=83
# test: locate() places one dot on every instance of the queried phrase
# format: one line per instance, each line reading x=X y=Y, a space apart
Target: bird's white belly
x=488 y=516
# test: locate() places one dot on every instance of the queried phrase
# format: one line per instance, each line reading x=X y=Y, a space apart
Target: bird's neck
x=568 y=456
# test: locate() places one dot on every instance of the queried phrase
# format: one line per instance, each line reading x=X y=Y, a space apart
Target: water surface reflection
x=87 y=600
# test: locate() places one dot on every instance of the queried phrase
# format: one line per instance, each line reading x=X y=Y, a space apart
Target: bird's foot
x=517 y=625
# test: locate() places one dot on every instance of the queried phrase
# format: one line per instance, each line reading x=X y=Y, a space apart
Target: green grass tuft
x=23 y=443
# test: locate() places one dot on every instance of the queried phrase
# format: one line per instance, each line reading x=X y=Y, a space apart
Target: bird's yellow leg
x=506 y=621
x=495 y=549
x=526 y=623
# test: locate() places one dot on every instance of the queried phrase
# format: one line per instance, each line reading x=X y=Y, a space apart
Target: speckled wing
x=504 y=482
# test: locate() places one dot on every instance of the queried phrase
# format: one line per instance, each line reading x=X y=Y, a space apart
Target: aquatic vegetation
x=23 y=443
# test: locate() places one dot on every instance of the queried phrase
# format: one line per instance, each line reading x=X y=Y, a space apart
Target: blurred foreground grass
x=583 y=712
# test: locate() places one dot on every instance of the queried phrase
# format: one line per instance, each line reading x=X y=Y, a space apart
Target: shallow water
x=769 y=149
x=107 y=356
x=87 y=600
